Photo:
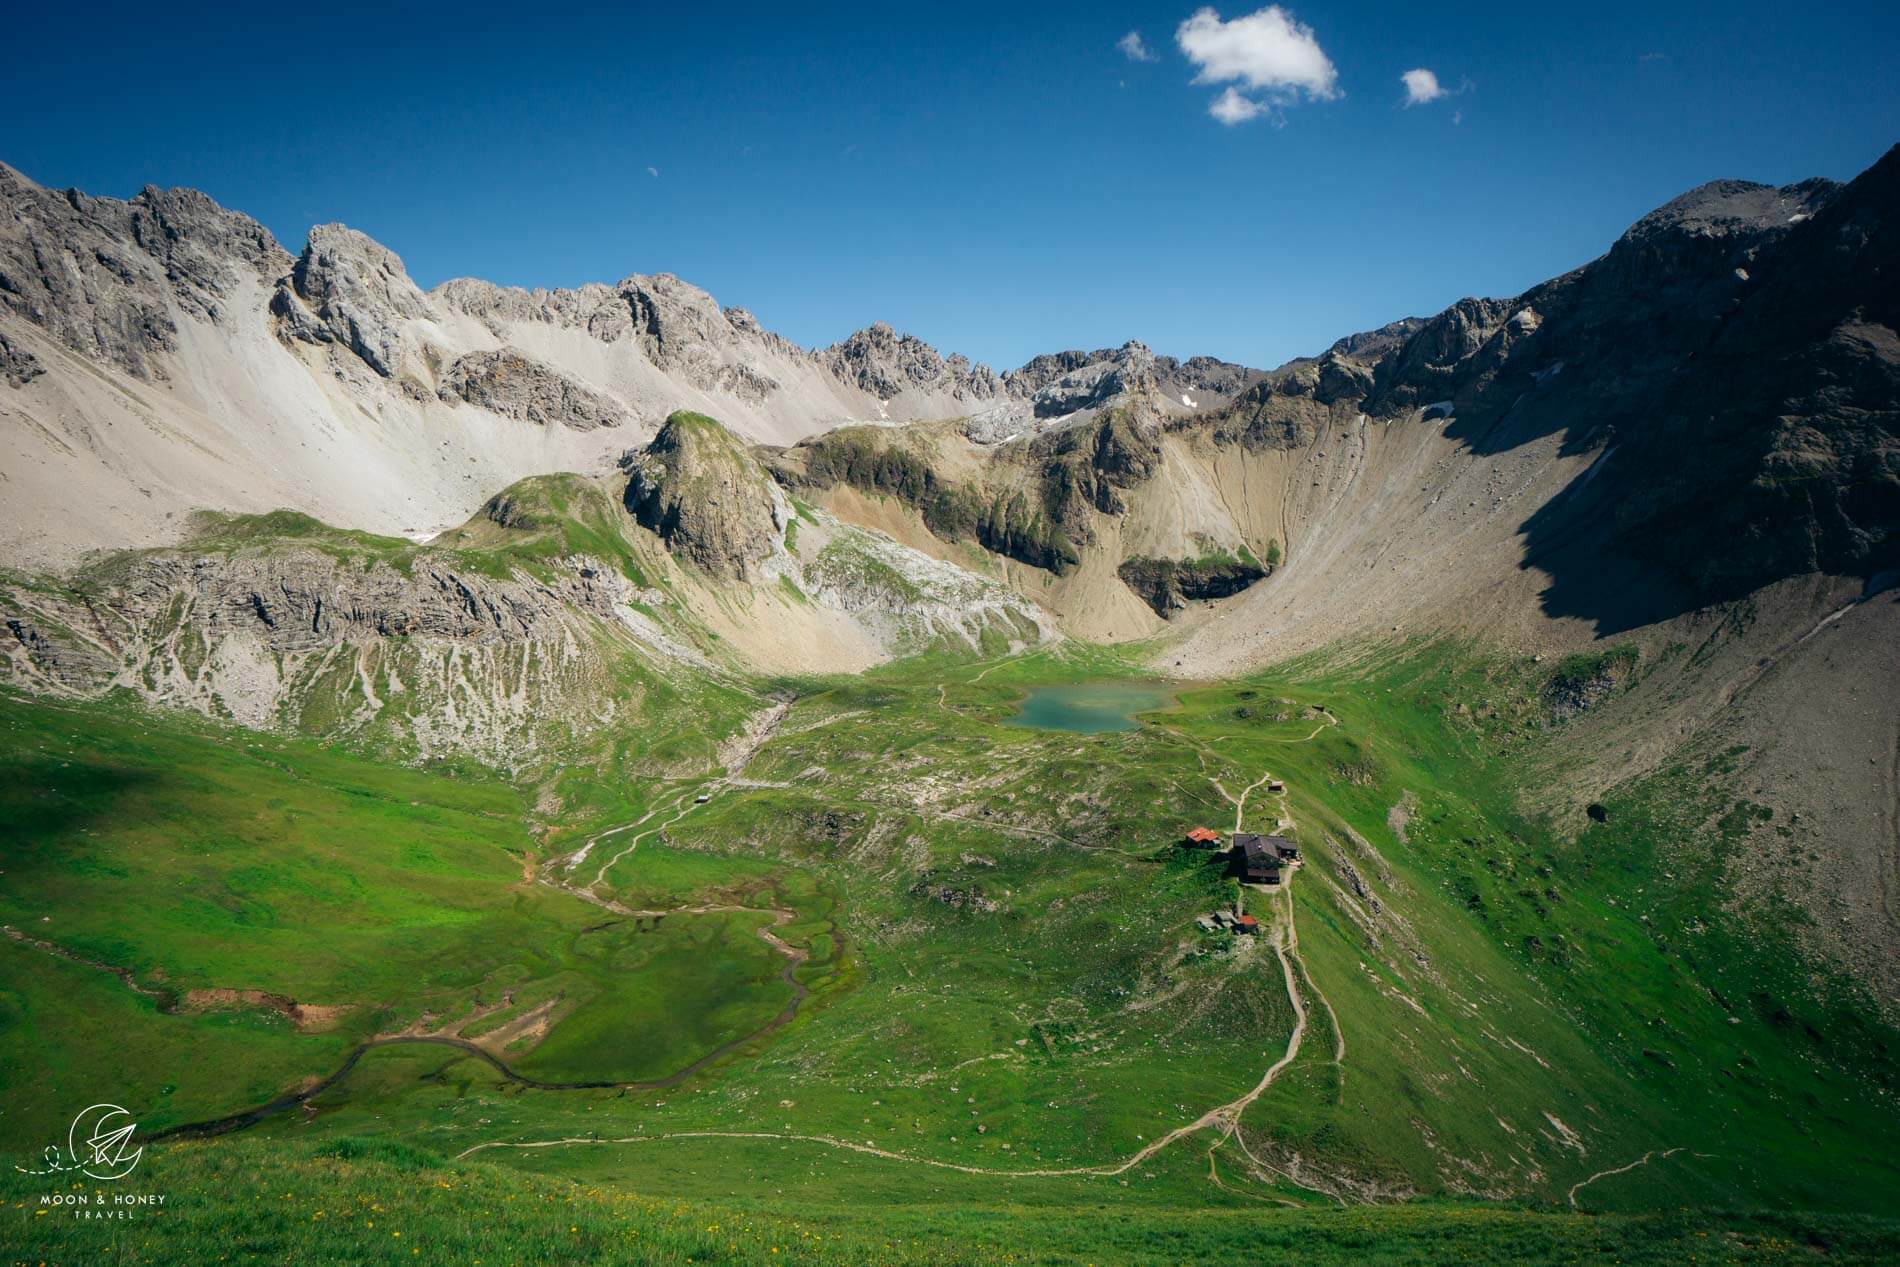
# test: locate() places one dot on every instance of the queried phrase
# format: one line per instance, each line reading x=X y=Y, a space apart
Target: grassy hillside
x=270 y=903
x=945 y=972
x=361 y=1201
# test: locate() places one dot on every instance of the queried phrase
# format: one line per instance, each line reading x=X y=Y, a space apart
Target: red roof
x=1202 y=833
x=1248 y=921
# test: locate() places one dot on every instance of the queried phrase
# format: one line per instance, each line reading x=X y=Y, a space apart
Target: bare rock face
x=351 y=291
x=517 y=386
x=18 y=367
x=1062 y=383
x=596 y=307
x=110 y=279
x=1040 y=371
x=1429 y=365
x=1169 y=585
x=420 y=653
x=301 y=600
x=1368 y=346
x=703 y=493
x=677 y=326
x=1733 y=357
x=1091 y=386
x=885 y=363
x=1206 y=374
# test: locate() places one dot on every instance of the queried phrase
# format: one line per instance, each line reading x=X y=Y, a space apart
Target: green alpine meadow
x=556 y=775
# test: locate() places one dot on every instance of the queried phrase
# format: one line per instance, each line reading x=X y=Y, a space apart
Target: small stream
x=290 y=1100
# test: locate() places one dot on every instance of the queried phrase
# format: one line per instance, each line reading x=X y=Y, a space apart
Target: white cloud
x=1133 y=49
x=653 y=172
x=1269 y=52
x=1233 y=108
x=1421 y=86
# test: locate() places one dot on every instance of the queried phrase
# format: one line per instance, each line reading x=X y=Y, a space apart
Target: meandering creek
x=290 y=1100
x=553 y=874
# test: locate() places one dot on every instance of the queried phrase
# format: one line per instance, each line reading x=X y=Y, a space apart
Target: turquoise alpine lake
x=1089 y=708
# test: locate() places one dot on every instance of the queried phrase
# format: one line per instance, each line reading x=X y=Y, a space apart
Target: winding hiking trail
x=1239 y=802
x=1225 y=1118
x=735 y=756
x=794 y=957
x=1581 y=1184
x=735 y=759
x=1284 y=821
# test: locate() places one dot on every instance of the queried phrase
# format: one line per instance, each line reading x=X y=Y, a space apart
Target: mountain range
x=298 y=492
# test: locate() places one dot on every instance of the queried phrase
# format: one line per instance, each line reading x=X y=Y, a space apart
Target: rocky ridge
x=519 y=636
x=110 y=280
x=166 y=345
x=881 y=361
x=422 y=656
x=1064 y=383
x=1730 y=363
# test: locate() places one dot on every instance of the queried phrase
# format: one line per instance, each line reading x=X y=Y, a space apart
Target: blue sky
x=999 y=179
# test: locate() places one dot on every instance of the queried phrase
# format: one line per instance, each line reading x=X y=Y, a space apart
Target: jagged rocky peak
x=111 y=279
x=1369 y=345
x=1439 y=358
x=1064 y=370
x=1208 y=374
x=1730 y=208
x=1700 y=248
x=879 y=360
x=1062 y=383
x=676 y=322
x=350 y=290
x=700 y=490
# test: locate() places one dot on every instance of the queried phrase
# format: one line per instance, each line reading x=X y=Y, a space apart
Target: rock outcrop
x=412 y=651
x=1063 y=383
x=1169 y=585
x=879 y=360
x=18 y=366
x=518 y=386
x=349 y=290
x=111 y=280
x=700 y=491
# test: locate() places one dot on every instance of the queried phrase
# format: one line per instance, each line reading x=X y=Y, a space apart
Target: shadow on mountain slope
x=1734 y=364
